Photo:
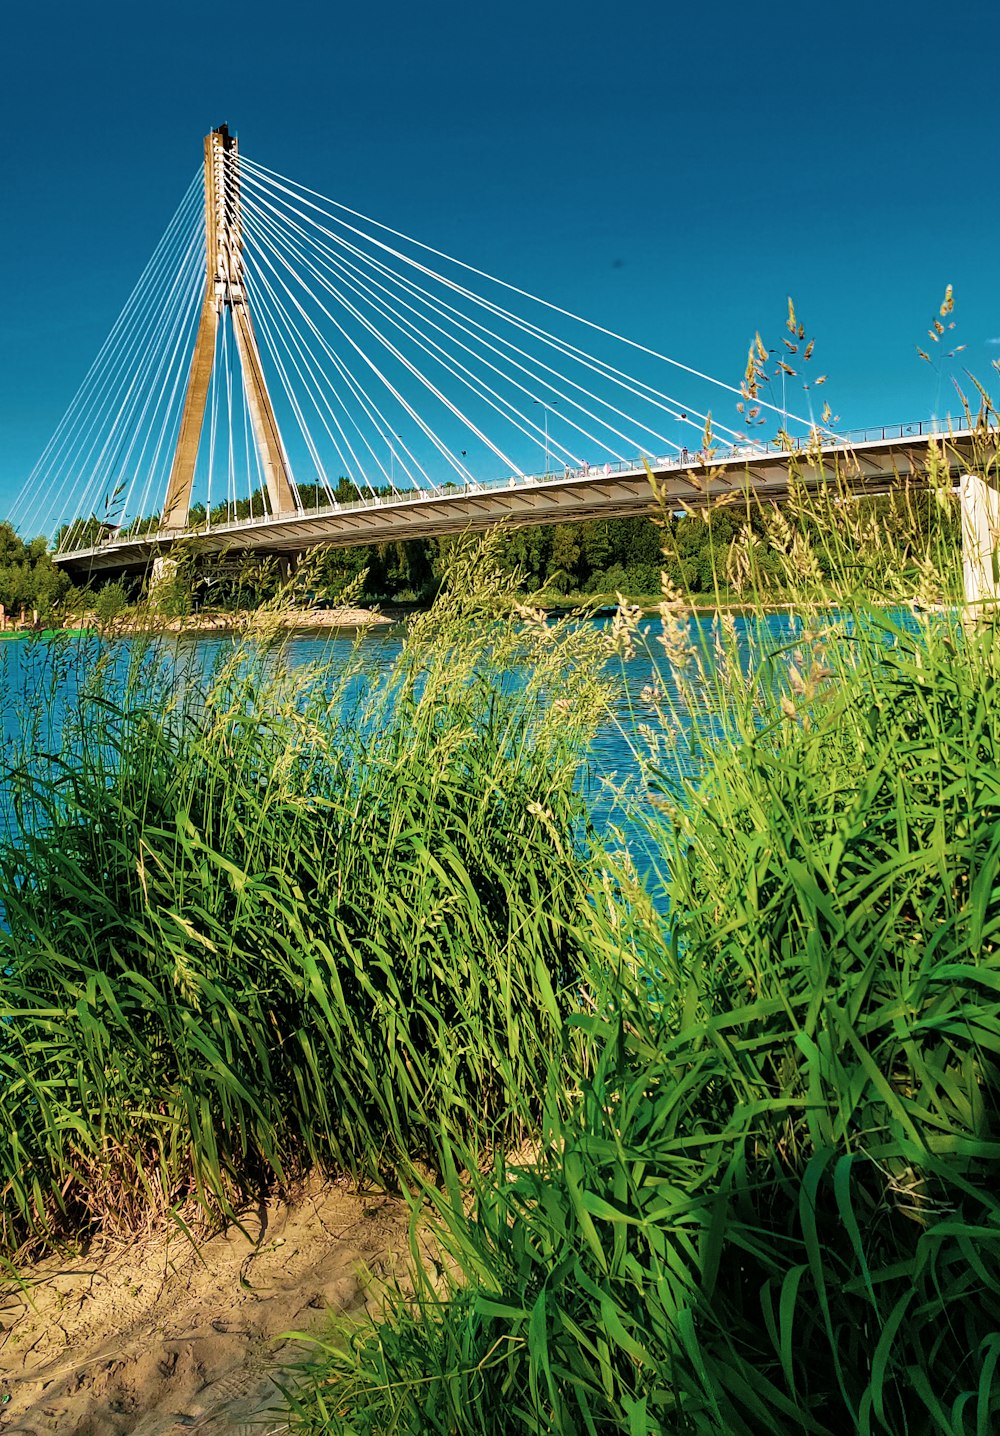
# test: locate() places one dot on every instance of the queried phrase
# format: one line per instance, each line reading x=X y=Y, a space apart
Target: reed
x=767 y=1199
x=260 y=919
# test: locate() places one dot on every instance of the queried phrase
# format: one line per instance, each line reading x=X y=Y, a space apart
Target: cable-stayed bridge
x=287 y=372
x=874 y=465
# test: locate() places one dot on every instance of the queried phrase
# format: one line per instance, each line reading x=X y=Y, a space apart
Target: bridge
x=278 y=344
x=867 y=463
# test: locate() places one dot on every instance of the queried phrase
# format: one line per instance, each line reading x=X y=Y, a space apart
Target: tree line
x=30 y=583
x=601 y=557
x=697 y=552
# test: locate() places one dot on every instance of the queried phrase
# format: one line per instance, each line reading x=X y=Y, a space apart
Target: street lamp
x=545 y=408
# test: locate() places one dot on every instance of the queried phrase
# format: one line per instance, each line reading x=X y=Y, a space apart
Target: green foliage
x=254 y=924
x=762 y=1196
x=772 y=1206
x=28 y=578
x=565 y=557
x=627 y=555
x=840 y=886
x=259 y=925
x=171 y=592
x=110 y=602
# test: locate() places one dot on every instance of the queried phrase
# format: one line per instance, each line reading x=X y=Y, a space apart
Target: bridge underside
x=873 y=467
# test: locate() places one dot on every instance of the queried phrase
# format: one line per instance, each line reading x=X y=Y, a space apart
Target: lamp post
x=545 y=411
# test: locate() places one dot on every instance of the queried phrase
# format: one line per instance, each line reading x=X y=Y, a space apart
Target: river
x=40 y=680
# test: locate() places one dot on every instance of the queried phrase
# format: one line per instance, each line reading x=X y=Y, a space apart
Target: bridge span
x=278 y=340
x=869 y=461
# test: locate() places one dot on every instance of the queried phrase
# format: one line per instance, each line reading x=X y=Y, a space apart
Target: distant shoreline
x=85 y=625
x=323 y=618
x=356 y=618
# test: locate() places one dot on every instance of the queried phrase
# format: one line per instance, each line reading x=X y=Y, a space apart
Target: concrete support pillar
x=162 y=573
x=224 y=289
x=980 y=506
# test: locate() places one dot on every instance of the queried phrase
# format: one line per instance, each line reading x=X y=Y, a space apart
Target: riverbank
x=375 y=928
x=294 y=618
x=288 y=620
x=152 y=1335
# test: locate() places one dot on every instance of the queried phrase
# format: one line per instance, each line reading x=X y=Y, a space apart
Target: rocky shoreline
x=305 y=618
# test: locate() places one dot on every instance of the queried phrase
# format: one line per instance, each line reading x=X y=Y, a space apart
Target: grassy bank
x=258 y=920
x=262 y=922
x=768 y=1202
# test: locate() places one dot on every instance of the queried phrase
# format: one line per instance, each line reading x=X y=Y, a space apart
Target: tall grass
x=258 y=920
x=768 y=1202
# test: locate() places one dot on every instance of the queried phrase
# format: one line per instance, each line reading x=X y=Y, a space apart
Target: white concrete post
x=163 y=572
x=980 y=507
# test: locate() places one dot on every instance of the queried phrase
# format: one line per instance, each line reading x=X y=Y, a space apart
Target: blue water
x=42 y=682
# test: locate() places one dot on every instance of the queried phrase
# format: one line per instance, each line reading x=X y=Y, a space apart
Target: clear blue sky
x=670 y=171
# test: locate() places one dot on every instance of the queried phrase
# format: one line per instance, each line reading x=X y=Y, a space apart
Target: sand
x=155 y=1337
x=293 y=618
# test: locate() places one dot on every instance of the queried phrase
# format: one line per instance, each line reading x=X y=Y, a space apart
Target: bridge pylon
x=224 y=289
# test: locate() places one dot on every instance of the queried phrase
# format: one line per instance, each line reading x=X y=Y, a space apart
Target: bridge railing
x=682 y=459
x=743 y=450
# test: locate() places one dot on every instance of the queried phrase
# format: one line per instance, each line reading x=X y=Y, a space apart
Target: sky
x=671 y=172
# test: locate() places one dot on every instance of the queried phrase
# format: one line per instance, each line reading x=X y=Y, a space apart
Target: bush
x=773 y=1206
x=109 y=603
x=267 y=926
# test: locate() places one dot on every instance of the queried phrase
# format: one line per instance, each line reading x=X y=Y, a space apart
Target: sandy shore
x=304 y=618
x=154 y=1337
x=292 y=619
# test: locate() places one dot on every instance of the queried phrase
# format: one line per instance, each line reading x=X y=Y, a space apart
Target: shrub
x=764 y=1193
x=109 y=603
x=255 y=925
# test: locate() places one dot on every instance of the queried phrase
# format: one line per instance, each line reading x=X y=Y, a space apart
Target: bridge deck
x=870 y=464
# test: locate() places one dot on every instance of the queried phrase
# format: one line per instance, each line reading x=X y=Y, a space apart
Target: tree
x=565 y=557
x=28 y=577
x=109 y=602
x=596 y=543
x=634 y=540
x=346 y=492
